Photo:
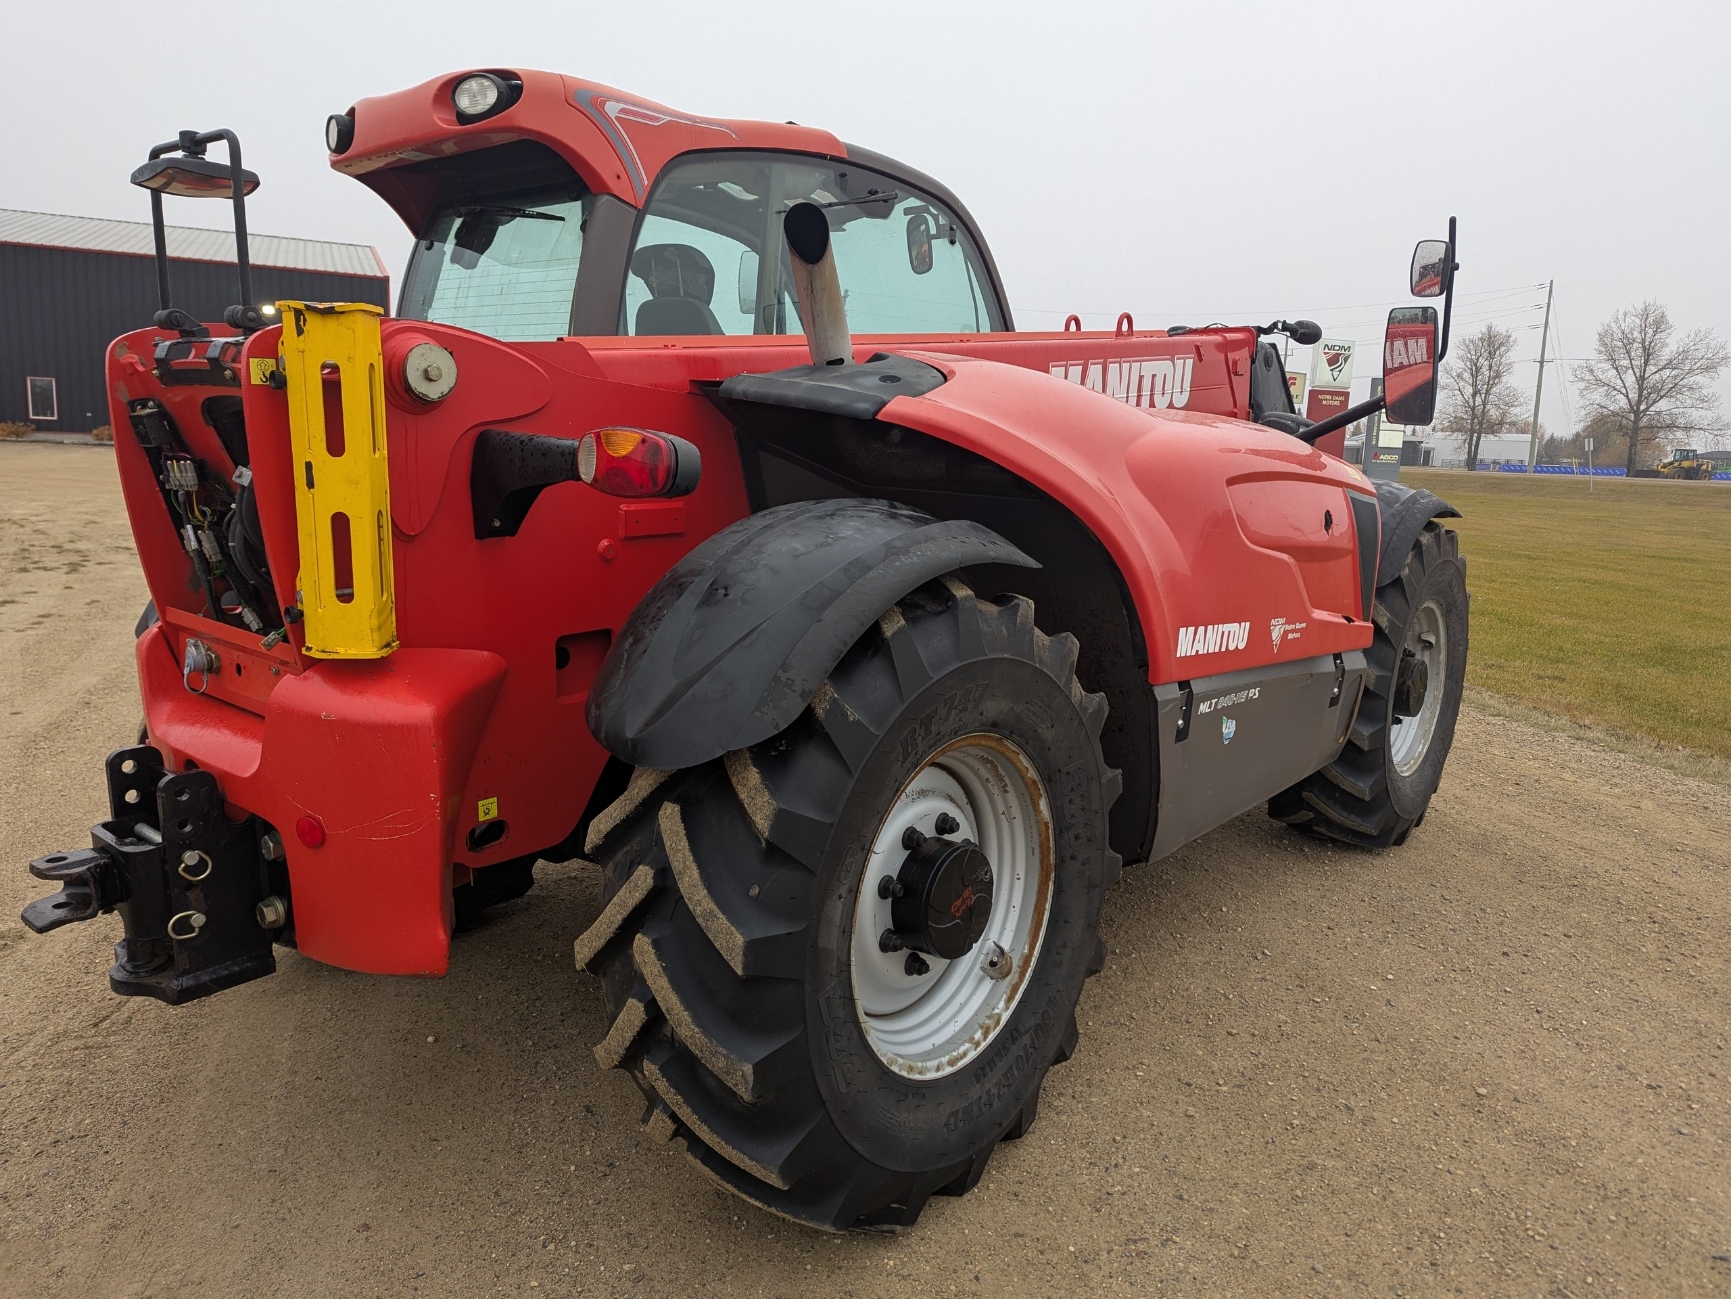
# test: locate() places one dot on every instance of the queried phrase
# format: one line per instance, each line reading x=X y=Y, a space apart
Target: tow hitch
x=193 y=888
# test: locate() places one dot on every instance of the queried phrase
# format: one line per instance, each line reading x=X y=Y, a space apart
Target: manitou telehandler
x=702 y=512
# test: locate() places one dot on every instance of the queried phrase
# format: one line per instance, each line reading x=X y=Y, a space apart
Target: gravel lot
x=1490 y=1063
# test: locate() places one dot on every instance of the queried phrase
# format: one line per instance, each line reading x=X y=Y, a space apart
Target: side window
x=684 y=279
x=709 y=257
x=904 y=269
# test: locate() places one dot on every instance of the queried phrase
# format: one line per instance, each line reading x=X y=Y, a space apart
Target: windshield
x=505 y=265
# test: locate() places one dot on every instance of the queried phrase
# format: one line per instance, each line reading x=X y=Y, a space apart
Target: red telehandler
x=701 y=512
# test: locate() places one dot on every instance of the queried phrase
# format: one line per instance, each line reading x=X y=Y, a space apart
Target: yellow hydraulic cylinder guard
x=334 y=368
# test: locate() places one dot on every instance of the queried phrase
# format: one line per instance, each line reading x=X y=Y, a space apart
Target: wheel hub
x=941 y=899
x=1410 y=685
x=951 y=906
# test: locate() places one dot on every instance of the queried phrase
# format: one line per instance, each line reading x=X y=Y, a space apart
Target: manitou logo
x=1152 y=382
x=1215 y=638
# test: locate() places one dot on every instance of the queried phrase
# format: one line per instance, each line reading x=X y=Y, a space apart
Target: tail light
x=636 y=462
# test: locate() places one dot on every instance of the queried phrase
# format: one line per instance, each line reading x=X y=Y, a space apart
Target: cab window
x=709 y=257
x=502 y=246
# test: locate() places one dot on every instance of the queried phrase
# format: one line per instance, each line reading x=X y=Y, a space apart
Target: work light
x=476 y=96
x=339 y=132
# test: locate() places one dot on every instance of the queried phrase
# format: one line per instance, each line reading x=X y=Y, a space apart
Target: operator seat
x=681 y=283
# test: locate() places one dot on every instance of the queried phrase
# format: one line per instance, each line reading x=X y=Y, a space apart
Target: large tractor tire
x=1377 y=790
x=839 y=963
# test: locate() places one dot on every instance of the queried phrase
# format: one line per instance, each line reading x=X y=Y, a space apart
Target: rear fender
x=733 y=642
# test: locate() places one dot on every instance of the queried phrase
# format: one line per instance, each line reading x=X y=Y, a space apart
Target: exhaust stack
x=816 y=285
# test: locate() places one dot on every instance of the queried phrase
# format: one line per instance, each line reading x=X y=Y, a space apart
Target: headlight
x=477 y=95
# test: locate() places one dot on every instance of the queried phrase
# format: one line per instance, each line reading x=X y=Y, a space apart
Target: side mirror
x=1409 y=375
x=920 y=243
x=192 y=178
x=748 y=283
x=1430 y=268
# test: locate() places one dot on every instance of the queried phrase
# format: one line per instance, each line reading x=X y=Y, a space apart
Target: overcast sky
x=1185 y=162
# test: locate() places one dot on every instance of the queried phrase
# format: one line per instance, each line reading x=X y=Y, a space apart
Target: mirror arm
x=1351 y=415
x=1442 y=347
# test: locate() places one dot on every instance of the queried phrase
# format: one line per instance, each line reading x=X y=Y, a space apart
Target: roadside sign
x=1589 y=444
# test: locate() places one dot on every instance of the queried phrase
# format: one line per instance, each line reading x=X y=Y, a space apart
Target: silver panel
x=1231 y=741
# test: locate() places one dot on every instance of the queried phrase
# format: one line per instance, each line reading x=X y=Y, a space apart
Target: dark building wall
x=60 y=308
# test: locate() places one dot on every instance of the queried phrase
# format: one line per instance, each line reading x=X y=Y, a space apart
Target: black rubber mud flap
x=733 y=642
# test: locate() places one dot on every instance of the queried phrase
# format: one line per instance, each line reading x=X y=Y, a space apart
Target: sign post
x=1589 y=466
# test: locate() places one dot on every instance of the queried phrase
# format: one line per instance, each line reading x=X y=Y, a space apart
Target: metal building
x=70 y=285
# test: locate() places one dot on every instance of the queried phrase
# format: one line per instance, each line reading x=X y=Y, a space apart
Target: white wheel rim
x=1410 y=737
x=930 y=1025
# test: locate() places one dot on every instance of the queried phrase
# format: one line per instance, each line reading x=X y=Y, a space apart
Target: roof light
x=192 y=178
x=339 y=132
x=477 y=95
x=636 y=462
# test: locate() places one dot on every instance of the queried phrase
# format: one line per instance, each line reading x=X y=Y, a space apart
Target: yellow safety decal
x=487 y=809
x=262 y=367
x=333 y=369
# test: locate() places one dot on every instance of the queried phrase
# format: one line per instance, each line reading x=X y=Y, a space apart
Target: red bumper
x=377 y=752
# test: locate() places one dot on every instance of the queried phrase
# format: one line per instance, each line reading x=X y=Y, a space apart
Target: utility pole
x=1539 y=387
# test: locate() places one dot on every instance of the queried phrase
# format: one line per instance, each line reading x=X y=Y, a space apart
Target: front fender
x=1405 y=510
x=732 y=643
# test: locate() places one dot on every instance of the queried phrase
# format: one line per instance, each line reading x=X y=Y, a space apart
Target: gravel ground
x=1490 y=1063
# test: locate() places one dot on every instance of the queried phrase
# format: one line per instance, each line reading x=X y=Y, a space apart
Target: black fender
x=734 y=640
x=1405 y=510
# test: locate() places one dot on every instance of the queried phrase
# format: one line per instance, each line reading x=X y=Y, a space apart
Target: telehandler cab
x=702 y=512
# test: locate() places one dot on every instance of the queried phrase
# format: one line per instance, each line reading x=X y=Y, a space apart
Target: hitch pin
x=188 y=868
x=194 y=922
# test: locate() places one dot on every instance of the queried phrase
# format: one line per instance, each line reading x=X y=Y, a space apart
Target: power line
x=1487 y=294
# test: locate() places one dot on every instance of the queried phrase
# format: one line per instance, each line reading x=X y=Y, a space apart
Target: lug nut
x=890 y=887
x=889 y=941
x=915 y=966
x=912 y=838
x=947 y=824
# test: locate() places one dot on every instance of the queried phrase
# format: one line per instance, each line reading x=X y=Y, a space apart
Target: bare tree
x=1478 y=398
x=1653 y=384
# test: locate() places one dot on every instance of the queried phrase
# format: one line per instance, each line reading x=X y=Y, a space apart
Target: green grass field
x=1612 y=608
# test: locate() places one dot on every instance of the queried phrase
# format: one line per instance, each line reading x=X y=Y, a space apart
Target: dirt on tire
x=1490 y=1062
